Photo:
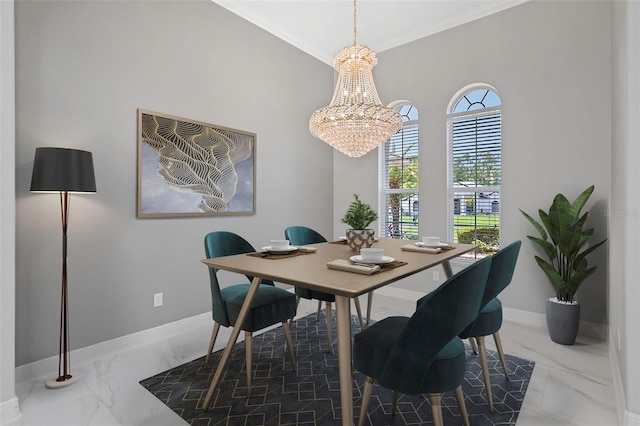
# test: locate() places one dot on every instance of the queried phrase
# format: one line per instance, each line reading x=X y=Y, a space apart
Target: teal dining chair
x=489 y=320
x=423 y=353
x=302 y=235
x=270 y=304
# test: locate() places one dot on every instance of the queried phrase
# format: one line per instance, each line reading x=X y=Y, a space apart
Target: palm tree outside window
x=398 y=209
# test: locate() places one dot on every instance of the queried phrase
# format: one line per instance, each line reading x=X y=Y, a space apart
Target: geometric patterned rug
x=312 y=397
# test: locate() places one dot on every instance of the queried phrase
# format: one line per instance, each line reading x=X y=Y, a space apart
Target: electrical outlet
x=436 y=276
x=157 y=300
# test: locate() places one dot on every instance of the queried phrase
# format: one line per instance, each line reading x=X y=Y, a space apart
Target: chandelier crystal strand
x=355 y=122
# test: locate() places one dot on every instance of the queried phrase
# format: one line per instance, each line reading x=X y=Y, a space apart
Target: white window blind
x=398 y=176
x=475 y=163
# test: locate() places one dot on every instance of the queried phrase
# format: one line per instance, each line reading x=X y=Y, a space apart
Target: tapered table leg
x=448 y=272
x=343 y=325
x=232 y=341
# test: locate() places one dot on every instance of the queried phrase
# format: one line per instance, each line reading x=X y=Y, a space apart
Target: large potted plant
x=359 y=216
x=563 y=241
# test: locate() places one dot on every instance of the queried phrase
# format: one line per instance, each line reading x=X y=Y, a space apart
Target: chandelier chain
x=354 y=23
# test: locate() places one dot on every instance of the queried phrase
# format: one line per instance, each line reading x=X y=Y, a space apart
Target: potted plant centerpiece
x=566 y=263
x=359 y=216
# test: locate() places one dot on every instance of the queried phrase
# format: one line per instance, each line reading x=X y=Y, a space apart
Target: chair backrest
x=503 y=263
x=441 y=317
x=301 y=235
x=219 y=244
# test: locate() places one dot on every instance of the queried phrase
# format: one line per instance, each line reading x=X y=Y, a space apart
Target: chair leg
x=248 y=349
x=461 y=405
x=496 y=338
x=287 y=336
x=436 y=408
x=297 y=303
x=474 y=347
x=395 y=403
x=369 y=304
x=366 y=396
x=319 y=309
x=214 y=335
x=357 y=303
x=329 y=329
x=485 y=370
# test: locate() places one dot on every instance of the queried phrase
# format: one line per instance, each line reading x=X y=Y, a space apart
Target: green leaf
x=563 y=224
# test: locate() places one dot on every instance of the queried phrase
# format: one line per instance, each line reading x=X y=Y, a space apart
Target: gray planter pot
x=563 y=321
x=360 y=238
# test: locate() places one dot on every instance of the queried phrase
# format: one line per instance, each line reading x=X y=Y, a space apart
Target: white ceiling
x=322 y=27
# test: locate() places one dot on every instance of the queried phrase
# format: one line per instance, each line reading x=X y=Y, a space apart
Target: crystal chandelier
x=356 y=121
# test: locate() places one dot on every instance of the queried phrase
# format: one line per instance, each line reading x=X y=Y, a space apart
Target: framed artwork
x=190 y=168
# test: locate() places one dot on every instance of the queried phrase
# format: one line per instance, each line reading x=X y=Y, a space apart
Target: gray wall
x=83 y=68
x=624 y=219
x=555 y=84
x=8 y=401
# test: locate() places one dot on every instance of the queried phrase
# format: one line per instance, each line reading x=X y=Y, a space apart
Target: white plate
x=385 y=259
x=280 y=251
x=421 y=244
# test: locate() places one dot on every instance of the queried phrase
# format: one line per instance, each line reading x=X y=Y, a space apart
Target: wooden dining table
x=310 y=271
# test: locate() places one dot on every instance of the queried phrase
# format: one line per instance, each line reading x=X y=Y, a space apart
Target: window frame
x=452 y=189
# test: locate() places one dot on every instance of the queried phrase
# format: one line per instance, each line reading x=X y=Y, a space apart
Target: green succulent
x=359 y=215
x=566 y=265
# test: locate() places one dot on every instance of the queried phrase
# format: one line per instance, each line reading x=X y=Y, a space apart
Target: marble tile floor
x=571 y=385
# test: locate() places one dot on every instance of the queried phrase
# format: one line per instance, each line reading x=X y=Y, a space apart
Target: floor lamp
x=64 y=171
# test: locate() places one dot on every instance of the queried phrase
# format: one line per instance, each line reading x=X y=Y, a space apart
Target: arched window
x=474 y=140
x=398 y=178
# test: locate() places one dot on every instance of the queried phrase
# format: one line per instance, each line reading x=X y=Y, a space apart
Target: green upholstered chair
x=489 y=319
x=270 y=304
x=423 y=353
x=300 y=236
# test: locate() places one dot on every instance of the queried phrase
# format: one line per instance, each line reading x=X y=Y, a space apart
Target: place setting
x=429 y=244
x=369 y=261
x=280 y=249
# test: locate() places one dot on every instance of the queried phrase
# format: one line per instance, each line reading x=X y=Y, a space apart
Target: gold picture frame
x=188 y=168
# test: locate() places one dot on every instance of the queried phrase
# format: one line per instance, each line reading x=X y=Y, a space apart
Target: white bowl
x=431 y=241
x=371 y=254
x=279 y=244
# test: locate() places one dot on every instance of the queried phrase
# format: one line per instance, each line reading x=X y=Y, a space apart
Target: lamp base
x=60 y=383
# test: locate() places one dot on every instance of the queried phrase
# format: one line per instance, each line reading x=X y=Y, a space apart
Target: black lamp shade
x=62 y=169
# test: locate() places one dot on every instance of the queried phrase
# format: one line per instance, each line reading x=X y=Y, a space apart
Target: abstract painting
x=191 y=168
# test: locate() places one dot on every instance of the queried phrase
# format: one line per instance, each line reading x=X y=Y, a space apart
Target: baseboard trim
x=618 y=388
x=49 y=366
x=589 y=329
x=625 y=417
x=515 y=315
x=10 y=411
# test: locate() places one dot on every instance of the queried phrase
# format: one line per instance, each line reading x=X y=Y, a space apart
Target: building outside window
x=474 y=141
x=398 y=208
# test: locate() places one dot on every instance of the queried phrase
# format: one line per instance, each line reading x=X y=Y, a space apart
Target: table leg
x=447 y=268
x=343 y=326
x=369 y=304
x=232 y=341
